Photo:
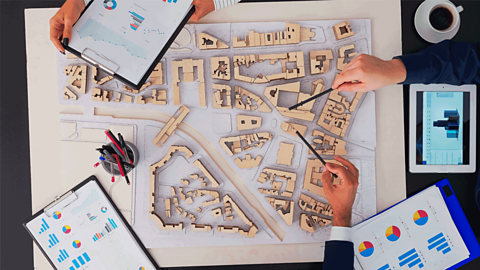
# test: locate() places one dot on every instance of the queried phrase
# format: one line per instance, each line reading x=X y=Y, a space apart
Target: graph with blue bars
x=53 y=240
x=44 y=227
x=385 y=267
x=439 y=243
x=137 y=20
x=80 y=261
x=411 y=259
x=63 y=255
x=109 y=227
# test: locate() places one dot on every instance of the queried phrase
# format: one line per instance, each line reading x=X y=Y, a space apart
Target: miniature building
x=103 y=80
x=320 y=61
x=134 y=91
x=333 y=117
x=309 y=204
x=101 y=95
x=291 y=128
x=187 y=66
x=284 y=208
x=251 y=140
x=248 y=162
x=204 y=170
x=303 y=112
x=208 y=42
x=285 y=154
x=313 y=176
x=245 y=122
x=270 y=174
x=284 y=58
x=293 y=35
x=220 y=68
x=156 y=77
x=171 y=126
x=248 y=105
x=343 y=30
x=328 y=145
x=342 y=60
x=69 y=94
x=222 y=98
x=78 y=79
x=306 y=223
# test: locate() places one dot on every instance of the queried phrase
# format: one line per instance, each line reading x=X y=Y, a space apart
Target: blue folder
x=458 y=217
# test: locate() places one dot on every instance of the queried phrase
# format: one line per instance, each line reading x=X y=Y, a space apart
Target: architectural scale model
x=234 y=171
x=293 y=35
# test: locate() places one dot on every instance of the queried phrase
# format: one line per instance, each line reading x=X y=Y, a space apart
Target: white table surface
x=390 y=157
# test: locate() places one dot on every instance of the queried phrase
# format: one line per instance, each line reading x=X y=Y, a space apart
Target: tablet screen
x=443 y=128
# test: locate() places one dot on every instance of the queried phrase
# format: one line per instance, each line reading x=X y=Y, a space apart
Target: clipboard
x=66 y=234
x=111 y=67
x=458 y=217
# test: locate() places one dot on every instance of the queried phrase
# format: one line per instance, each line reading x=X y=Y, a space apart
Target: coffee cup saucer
x=423 y=26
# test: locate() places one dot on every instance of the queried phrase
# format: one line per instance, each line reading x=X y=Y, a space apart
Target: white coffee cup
x=424 y=26
x=455 y=11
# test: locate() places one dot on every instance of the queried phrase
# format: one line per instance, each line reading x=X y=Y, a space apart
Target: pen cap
x=133 y=153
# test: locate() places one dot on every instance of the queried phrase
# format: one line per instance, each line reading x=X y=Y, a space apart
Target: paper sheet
x=418 y=233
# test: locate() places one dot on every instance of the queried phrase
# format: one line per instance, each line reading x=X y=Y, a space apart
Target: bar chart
x=440 y=243
x=385 y=267
x=137 y=20
x=80 y=261
x=109 y=227
x=411 y=259
x=53 y=240
x=63 y=255
x=44 y=227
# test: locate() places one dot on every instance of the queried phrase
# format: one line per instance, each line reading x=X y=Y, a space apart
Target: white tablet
x=442 y=126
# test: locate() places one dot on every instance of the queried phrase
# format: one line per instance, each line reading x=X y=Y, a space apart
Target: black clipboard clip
x=61 y=201
x=100 y=61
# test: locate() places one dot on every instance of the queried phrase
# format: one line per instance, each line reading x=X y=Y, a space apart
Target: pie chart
x=66 y=229
x=57 y=215
x=366 y=249
x=76 y=244
x=392 y=233
x=141 y=268
x=420 y=217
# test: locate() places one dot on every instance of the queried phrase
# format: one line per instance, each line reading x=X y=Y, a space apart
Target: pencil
x=313 y=150
x=310 y=99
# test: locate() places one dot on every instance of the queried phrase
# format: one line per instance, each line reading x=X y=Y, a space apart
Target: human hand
x=61 y=23
x=341 y=197
x=202 y=8
x=371 y=73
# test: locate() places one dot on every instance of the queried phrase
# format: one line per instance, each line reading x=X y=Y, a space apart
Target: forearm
x=446 y=62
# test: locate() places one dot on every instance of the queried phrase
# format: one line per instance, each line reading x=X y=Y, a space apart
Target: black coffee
x=441 y=18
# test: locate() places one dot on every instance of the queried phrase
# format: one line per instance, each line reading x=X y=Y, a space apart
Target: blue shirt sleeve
x=338 y=255
x=447 y=62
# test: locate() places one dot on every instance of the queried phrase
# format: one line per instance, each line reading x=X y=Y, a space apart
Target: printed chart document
x=418 y=233
x=130 y=34
x=85 y=232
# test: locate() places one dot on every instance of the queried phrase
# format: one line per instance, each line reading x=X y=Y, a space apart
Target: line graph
x=99 y=32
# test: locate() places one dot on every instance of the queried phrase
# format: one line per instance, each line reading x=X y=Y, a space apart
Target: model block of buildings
x=208 y=42
x=171 y=126
x=343 y=30
x=233 y=145
x=78 y=79
x=245 y=100
x=343 y=56
x=284 y=58
x=320 y=61
x=313 y=176
x=327 y=145
x=220 y=68
x=187 y=66
x=303 y=112
x=293 y=35
x=222 y=98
